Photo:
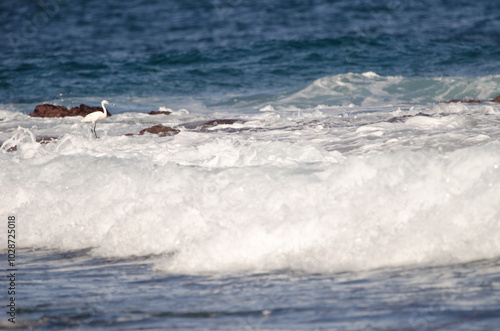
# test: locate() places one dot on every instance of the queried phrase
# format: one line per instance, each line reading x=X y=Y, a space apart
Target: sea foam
x=358 y=212
x=305 y=191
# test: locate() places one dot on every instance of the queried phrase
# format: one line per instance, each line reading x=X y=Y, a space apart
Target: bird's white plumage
x=97 y=116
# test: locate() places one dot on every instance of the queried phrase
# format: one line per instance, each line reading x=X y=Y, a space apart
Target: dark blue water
x=221 y=49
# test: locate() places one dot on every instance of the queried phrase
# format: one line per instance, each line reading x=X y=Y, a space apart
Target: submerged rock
x=463 y=101
x=11 y=149
x=45 y=140
x=207 y=124
x=219 y=122
x=41 y=140
x=160 y=112
x=401 y=119
x=160 y=130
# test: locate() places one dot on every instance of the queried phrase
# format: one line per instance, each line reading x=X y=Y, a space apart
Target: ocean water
x=318 y=181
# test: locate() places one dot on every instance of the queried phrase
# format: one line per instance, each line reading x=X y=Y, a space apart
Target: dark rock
x=207 y=124
x=463 y=101
x=161 y=130
x=160 y=112
x=419 y=114
x=41 y=140
x=47 y=110
x=396 y=120
x=497 y=99
x=12 y=149
x=45 y=140
x=219 y=122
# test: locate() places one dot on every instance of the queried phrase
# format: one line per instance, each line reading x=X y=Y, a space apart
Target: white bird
x=97 y=116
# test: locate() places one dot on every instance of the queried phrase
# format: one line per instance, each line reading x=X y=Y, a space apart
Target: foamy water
x=322 y=189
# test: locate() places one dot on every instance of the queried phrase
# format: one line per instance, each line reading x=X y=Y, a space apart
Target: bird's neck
x=104 y=108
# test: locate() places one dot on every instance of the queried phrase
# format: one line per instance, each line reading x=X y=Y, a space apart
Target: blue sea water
x=216 y=51
x=344 y=195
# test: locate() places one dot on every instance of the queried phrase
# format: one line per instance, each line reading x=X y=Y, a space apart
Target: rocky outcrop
x=163 y=131
x=160 y=130
x=160 y=112
x=48 y=110
x=497 y=99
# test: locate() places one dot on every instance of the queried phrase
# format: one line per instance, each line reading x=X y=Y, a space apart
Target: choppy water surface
x=125 y=294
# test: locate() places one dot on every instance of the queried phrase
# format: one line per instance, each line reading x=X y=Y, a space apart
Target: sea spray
x=359 y=212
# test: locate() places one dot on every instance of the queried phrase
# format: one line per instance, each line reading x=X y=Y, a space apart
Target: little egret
x=97 y=116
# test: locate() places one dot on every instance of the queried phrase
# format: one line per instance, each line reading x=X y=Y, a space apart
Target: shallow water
x=125 y=293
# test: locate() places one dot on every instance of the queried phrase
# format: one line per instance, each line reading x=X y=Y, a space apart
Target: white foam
x=181 y=111
x=307 y=191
